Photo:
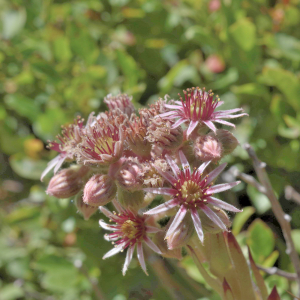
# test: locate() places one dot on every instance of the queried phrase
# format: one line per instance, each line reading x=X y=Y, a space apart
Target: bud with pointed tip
x=208 y=148
x=180 y=237
x=68 y=182
x=99 y=190
x=129 y=176
x=86 y=210
x=160 y=242
x=228 y=141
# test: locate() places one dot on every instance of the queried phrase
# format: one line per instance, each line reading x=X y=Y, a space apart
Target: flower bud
x=86 y=210
x=208 y=225
x=99 y=190
x=68 y=182
x=160 y=131
x=207 y=148
x=215 y=64
x=228 y=141
x=180 y=237
x=130 y=176
x=160 y=242
x=131 y=200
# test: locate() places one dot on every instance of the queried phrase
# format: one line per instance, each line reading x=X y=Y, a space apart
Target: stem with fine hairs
x=283 y=219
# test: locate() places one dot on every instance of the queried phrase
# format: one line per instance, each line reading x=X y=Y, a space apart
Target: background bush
x=60 y=58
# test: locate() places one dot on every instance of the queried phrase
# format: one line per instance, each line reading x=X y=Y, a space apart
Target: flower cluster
x=125 y=158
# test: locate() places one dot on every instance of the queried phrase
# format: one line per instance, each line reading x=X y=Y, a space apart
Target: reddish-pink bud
x=130 y=175
x=214 y=5
x=215 y=64
x=99 y=190
x=86 y=210
x=180 y=237
x=228 y=141
x=208 y=148
x=68 y=182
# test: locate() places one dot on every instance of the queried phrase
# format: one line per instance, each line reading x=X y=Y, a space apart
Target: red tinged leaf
x=274 y=294
x=228 y=294
x=259 y=279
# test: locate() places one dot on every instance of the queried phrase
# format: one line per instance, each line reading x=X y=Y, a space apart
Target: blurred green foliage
x=60 y=58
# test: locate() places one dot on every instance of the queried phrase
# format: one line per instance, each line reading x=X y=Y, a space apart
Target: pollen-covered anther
x=191 y=192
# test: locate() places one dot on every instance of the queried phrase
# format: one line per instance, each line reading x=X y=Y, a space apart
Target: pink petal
x=166 y=114
x=214 y=217
x=185 y=163
x=224 y=123
x=151 y=229
x=197 y=224
x=221 y=204
x=213 y=174
x=220 y=103
x=162 y=207
x=203 y=167
x=106 y=226
x=128 y=259
x=178 y=123
x=140 y=256
x=192 y=126
x=173 y=165
x=210 y=125
x=221 y=187
x=59 y=163
x=230 y=116
x=174 y=106
x=161 y=191
x=228 y=111
x=151 y=245
x=51 y=164
x=114 y=251
x=118 y=206
x=177 y=220
x=166 y=175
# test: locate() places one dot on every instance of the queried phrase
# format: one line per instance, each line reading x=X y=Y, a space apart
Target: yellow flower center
x=191 y=191
x=130 y=229
x=104 y=144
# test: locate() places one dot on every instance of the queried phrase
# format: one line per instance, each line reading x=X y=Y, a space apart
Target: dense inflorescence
x=125 y=158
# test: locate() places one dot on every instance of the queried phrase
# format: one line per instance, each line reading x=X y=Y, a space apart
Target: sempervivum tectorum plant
x=130 y=230
x=199 y=107
x=66 y=146
x=190 y=192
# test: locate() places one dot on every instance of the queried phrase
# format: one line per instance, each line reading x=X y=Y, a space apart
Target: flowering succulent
x=126 y=158
x=129 y=231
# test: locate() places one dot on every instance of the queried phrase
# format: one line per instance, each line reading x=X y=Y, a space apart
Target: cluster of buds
x=125 y=158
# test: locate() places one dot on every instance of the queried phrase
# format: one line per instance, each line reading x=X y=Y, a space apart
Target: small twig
x=276 y=271
x=283 y=219
x=291 y=194
x=248 y=179
x=98 y=292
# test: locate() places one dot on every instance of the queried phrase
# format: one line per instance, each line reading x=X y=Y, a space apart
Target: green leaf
x=11 y=292
x=27 y=167
x=241 y=218
x=287 y=82
x=296 y=239
x=244 y=33
x=24 y=106
x=62 y=49
x=261 y=240
x=13 y=22
x=288 y=45
x=254 y=89
x=259 y=200
x=53 y=263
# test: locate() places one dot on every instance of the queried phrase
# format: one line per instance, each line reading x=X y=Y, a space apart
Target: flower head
x=191 y=191
x=66 y=145
x=198 y=108
x=129 y=230
x=120 y=103
x=102 y=143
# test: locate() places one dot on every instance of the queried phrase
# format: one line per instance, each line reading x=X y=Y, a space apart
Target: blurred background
x=60 y=58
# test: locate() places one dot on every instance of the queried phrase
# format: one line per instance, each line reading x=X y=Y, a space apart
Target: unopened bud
x=161 y=243
x=228 y=141
x=86 y=210
x=208 y=148
x=208 y=225
x=132 y=200
x=99 y=190
x=180 y=237
x=130 y=176
x=68 y=182
x=160 y=131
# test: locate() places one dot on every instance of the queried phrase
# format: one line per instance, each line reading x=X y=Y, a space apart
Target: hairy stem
x=283 y=219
